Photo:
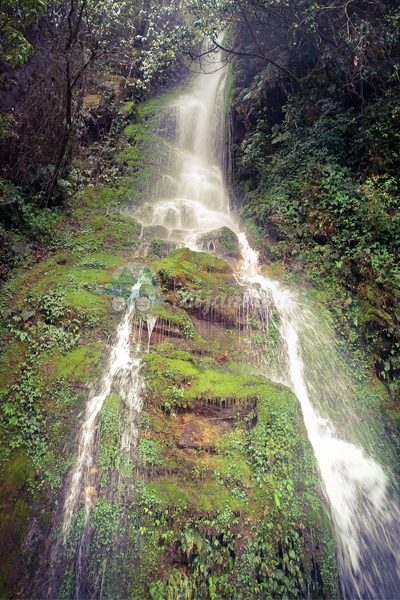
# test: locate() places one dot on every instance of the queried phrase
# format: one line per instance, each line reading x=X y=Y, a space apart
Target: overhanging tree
x=352 y=44
x=83 y=31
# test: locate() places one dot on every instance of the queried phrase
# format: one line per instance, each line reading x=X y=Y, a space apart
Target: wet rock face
x=34 y=537
x=154 y=231
x=222 y=240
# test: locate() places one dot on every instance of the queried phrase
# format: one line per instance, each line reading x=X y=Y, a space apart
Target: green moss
x=175 y=316
x=208 y=497
x=242 y=368
x=94 y=200
x=127 y=109
x=318 y=518
x=159 y=103
x=10 y=362
x=130 y=156
x=97 y=306
x=371 y=313
x=193 y=268
x=14 y=516
x=113 y=230
x=80 y=364
x=109 y=432
x=20 y=517
x=97 y=197
x=208 y=384
x=112 y=404
x=18 y=469
x=179 y=355
x=165 y=348
x=214 y=384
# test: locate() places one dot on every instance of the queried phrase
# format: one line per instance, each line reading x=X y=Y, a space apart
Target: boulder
x=222 y=240
x=21 y=248
x=154 y=232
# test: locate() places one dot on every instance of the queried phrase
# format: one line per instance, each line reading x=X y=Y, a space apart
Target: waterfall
x=365 y=516
x=364 y=512
x=151 y=321
x=119 y=359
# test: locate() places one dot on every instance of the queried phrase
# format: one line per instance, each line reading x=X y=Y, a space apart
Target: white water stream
x=123 y=374
x=365 y=516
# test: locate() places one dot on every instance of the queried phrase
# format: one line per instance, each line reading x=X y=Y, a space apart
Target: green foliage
x=7 y=124
x=23 y=412
x=149 y=453
x=258 y=473
x=109 y=439
x=106 y=520
x=79 y=364
x=14 y=18
x=346 y=234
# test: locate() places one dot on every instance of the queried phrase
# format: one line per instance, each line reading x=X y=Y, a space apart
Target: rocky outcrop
x=221 y=240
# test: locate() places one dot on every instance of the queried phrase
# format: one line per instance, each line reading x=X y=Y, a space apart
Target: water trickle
x=122 y=377
x=151 y=321
x=365 y=517
x=119 y=359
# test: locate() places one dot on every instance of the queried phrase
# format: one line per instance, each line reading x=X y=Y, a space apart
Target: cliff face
x=209 y=490
x=203 y=483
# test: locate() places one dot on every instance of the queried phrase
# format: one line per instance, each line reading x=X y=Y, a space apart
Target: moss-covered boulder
x=221 y=240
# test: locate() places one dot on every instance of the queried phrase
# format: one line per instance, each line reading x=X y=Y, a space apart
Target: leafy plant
x=149 y=452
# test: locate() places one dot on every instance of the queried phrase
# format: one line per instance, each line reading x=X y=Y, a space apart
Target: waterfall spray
x=365 y=517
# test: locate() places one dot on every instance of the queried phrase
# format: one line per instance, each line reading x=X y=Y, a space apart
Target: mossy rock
x=154 y=231
x=204 y=386
x=18 y=469
x=80 y=364
x=371 y=313
x=96 y=306
x=113 y=231
x=91 y=101
x=103 y=200
x=209 y=497
x=128 y=110
x=222 y=240
x=194 y=268
x=219 y=488
x=159 y=103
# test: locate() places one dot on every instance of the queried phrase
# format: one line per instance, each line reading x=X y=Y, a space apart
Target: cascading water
x=196 y=198
x=120 y=359
x=122 y=377
x=365 y=517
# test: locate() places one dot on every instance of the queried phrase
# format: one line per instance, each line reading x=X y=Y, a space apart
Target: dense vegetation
x=313 y=129
x=313 y=124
